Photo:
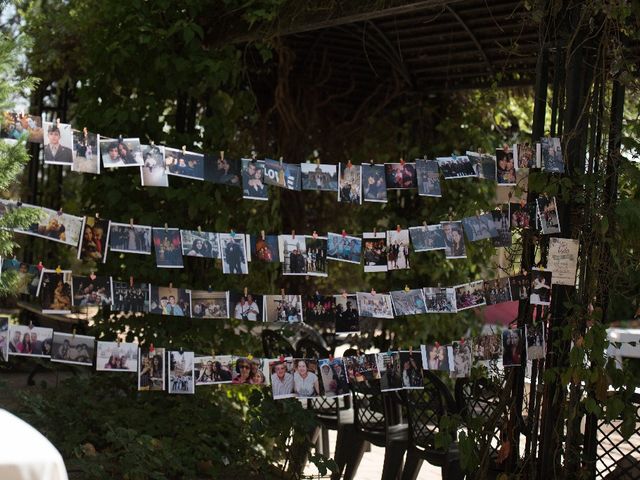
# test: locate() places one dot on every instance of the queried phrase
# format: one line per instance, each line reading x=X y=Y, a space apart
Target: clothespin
x=331 y=357
x=74 y=334
x=424 y=224
x=85 y=132
x=249 y=357
x=349 y=164
x=450 y=214
x=233 y=234
x=181 y=351
x=344 y=233
x=454 y=156
x=97 y=215
x=246 y=291
x=510 y=194
x=92 y=276
x=262 y=234
x=221 y=154
x=199 y=229
x=344 y=293
x=170 y=285
x=119 y=138
x=131 y=222
x=314 y=234
x=371 y=161
x=210 y=289
x=184 y=149
x=437 y=344
x=254 y=156
x=398 y=228
x=58 y=122
x=166 y=227
x=118 y=341
x=373 y=292
x=462 y=341
x=151 y=348
x=402 y=162
x=60 y=212
x=281 y=358
x=282 y=292
x=30 y=324
x=39 y=266
x=410 y=350
x=281 y=160
x=293 y=234
x=213 y=352
x=131 y=281
x=58 y=269
x=407 y=289
x=374 y=231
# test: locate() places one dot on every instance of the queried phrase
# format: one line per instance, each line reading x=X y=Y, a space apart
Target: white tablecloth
x=25 y=454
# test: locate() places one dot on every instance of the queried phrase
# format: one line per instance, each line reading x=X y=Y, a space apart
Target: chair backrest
x=369 y=406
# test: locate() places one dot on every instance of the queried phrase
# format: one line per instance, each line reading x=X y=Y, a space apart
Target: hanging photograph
x=362 y=368
x=200 y=244
x=265 y=248
x=484 y=165
x=4 y=339
x=234 y=253
x=347 y=317
x=58 y=143
x=28 y=276
x=506 y=166
x=319 y=177
x=562 y=260
x=344 y=248
x=169 y=301
x=55 y=291
x=497 y=291
x=292 y=250
x=408 y=302
x=16 y=125
x=92 y=291
x=440 y=300
x=130 y=297
x=540 y=287
x=205 y=304
x=247 y=307
x=86 y=152
x=427 y=238
x=551 y=153
x=374 y=305
x=283 y=175
x=117 y=357
x=547 y=211
x=479 y=227
x=520 y=215
x=253 y=182
x=461 y=354
x=73 y=349
x=129 y=238
x=151 y=369
x=319 y=308
x=412 y=377
x=181 y=372
x=281 y=373
x=93 y=240
x=316 y=256
x=398 y=250
x=213 y=370
x=153 y=173
x=435 y=357
x=182 y=163
x=487 y=348
x=350 y=183
x=536 y=348
x=375 y=251
x=454 y=246
x=456 y=167
x=334 y=377
x=306 y=383
x=221 y=170
x=283 y=308
x=168 y=247
x=25 y=340
x=126 y=152
x=374 y=186
x=428 y=178
x=525 y=155
x=512 y=346
x=502 y=225
x=400 y=175
x=470 y=295
x=390 y=371
x=520 y=286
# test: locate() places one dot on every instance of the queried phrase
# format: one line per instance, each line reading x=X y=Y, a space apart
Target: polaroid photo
x=58 y=143
x=169 y=301
x=484 y=165
x=55 y=291
x=454 y=246
x=374 y=305
x=283 y=308
x=265 y=248
x=182 y=163
x=470 y=295
x=487 y=348
x=292 y=250
x=117 y=357
x=551 y=154
x=206 y=304
x=435 y=357
x=374 y=185
x=213 y=370
x=440 y=300
x=283 y=175
x=28 y=276
x=333 y=377
x=400 y=176
x=73 y=349
x=154 y=172
x=390 y=371
x=540 y=287
x=347 y=316
x=281 y=373
x=18 y=125
x=411 y=364
x=316 y=256
x=92 y=291
x=344 y=248
x=362 y=368
x=479 y=227
x=254 y=186
x=525 y=155
x=502 y=225
x=520 y=286
x=497 y=291
x=129 y=297
x=260 y=374
x=221 y=170
x=306 y=382
x=428 y=178
x=350 y=183
x=547 y=212
x=129 y=238
x=506 y=167
x=319 y=177
x=94 y=238
x=319 y=308
x=233 y=248
x=521 y=215
x=461 y=359
x=168 y=247
x=456 y=167
x=375 y=251
x=427 y=238
x=30 y=341
x=181 y=372
x=398 y=250
x=247 y=307
x=151 y=369
x=200 y=244
x=408 y=302
x=4 y=338
x=536 y=345
x=126 y=152
x=512 y=346
x=86 y=152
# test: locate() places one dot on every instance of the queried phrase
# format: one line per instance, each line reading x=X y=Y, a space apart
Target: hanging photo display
x=200 y=244
x=428 y=178
x=435 y=357
x=234 y=253
x=130 y=297
x=182 y=163
x=562 y=260
x=412 y=376
x=129 y=238
x=319 y=308
x=408 y=302
x=374 y=187
x=440 y=300
x=470 y=295
x=126 y=152
x=30 y=341
x=306 y=382
x=253 y=181
x=283 y=308
x=303 y=255
x=551 y=154
x=86 y=152
x=427 y=238
x=547 y=212
x=58 y=143
x=169 y=301
x=374 y=305
x=398 y=250
x=94 y=238
x=347 y=316
x=28 y=276
x=540 y=287
x=461 y=359
x=264 y=248
x=502 y=225
x=168 y=247
x=4 y=339
x=17 y=125
x=181 y=372
x=206 y=304
x=213 y=370
x=520 y=287
x=73 y=349
x=400 y=176
x=375 y=251
x=117 y=357
x=221 y=170
x=536 y=347
x=454 y=246
x=151 y=369
x=362 y=368
x=344 y=248
x=456 y=167
x=350 y=183
x=525 y=155
x=247 y=307
x=505 y=166
x=487 y=348
x=497 y=291
x=333 y=377
x=479 y=227
x=390 y=371
x=281 y=372
x=92 y=291
x=319 y=177
x=484 y=165
x=153 y=172
x=316 y=256
x=512 y=347
x=283 y=175
x=521 y=214
x=55 y=291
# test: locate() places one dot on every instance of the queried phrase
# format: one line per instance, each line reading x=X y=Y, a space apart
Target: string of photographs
x=85 y=152
x=305 y=255
x=180 y=372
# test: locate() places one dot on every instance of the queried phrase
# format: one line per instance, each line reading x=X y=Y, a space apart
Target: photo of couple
x=526 y=156
x=454 y=246
x=58 y=143
x=350 y=184
x=151 y=369
x=551 y=152
x=506 y=169
x=55 y=291
x=400 y=175
x=206 y=304
x=126 y=152
x=487 y=348
x=213 y=370
x=484 y=165
x=540 y=287
x=4 y=338
x=427 y=238
x=248 y=372
x=334 y=377
x=129 y=238
x=116 y=357
x=168 y=247
x=169 y=301
x=435 y=357
x=247 y=307
x=398 y=250
x=428 y=178
x=93 y=242
x=303 y=255
x=182 y=163
x=374 y=185
x=461 y=353
x=28 y=276
x=221 y=170
x=153 y=173
x=344 y=248
x=548 y=215
x=73 y=349
x=253 y=181
x=200 y=244
x=347 y=317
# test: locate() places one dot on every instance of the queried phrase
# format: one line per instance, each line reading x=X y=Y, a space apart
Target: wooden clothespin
x=119 y=138
x=170 y=285
x=398 y=228
x=184 y=149
x=402 y=162
x=131 y=222
x=374 y=231
x=437 y=344
x=281 y=160
x=131 y=281
x=58 y=122
x=30 y=324
x=344 y=293
x=58 y=269
x=454 y=156
x=314 y=234
x=293 y=234
x=199 y=229
x=424 y=225
x=254 y=156
x=97 y=215
x=281 y=358
x=246 y=291
x=349 y=164
x=151 y=348
x=262 y=234
x=85 y=132
x=221 y=154
x=166 y=227
x=373 y=292
x=282 y=292
x=210 y=289
x=331 y=357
